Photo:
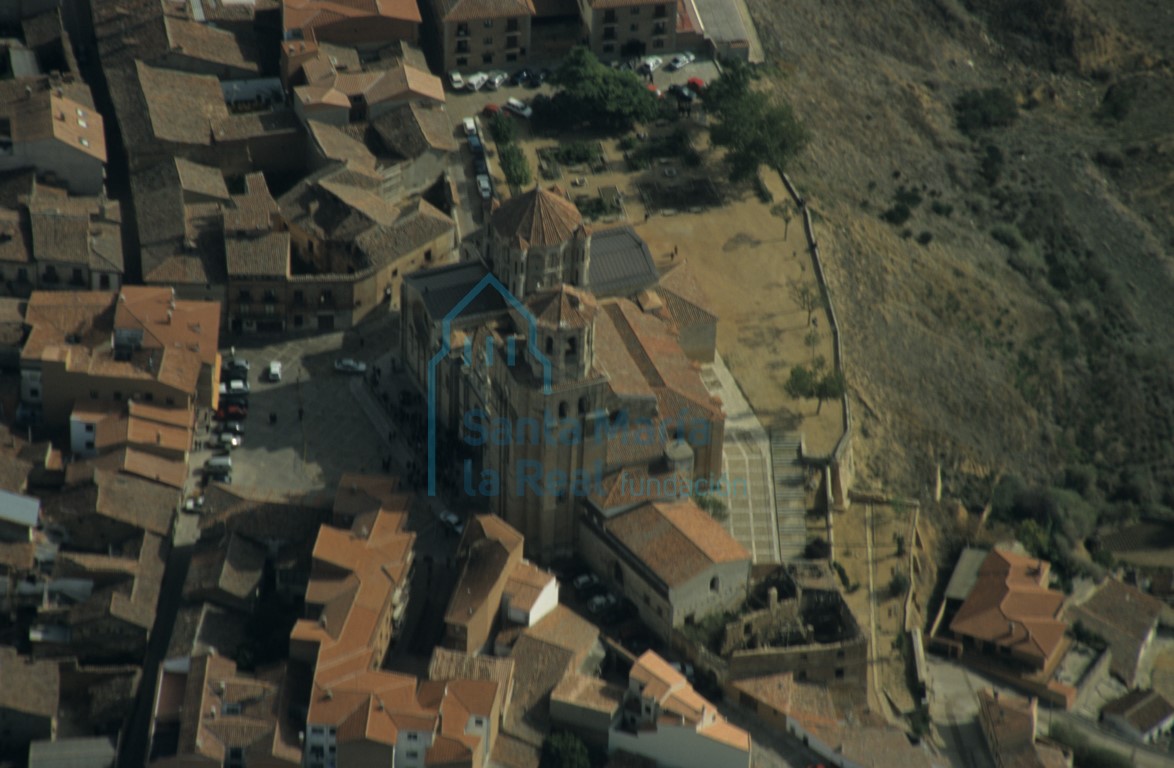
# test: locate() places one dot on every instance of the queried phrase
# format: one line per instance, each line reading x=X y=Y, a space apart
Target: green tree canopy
x=564 y=750
x=514 y=165
x=754 y=129
x=590 y=92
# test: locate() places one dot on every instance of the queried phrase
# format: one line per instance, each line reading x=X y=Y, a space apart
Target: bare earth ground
x=744 y=257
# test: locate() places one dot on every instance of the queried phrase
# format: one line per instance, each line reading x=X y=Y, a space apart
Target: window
x=270 y=295
x=90 y=428
x=428 y=255
x=462 y=46
x=609 y=33
x=93 y=394
x=662 y=11
x=636 y=11
x=609 y=17
x=149 y=397
x=412 y=737
x=658 y=43
x=633 y=27
x=489 y=23
x=22 y=275
x=487 y=58
x=298 y=321
x=609 y=48
x=462 y=30
x=511 y=57
x=413 y=754
x=562 y=409
x=236 y=758
x=511 y=41
x=463 y=61
x=511 y=25
x=713 y=584
x=118 y=396
x=478 y=721
x=299 y=297
x=89 y=445
x=233 y=708
x=244 y=295
x=839 y=673
x=34 y=393
x=77 y=275
x=104 y=281
x=659 y=28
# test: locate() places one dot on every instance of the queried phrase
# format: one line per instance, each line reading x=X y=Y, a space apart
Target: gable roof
x=1124 y=616
x=1011 y=606
x=411 y=130
x=1010 y=726
x=621 y=263
x=538 y=218
x=1144 y=710
x=472 y=10
x=181 y=106
x=676 y=540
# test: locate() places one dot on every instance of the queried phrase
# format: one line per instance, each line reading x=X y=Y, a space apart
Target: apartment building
x=361 y=25
x=100 y=348
x=483 y=34
x=629 y=28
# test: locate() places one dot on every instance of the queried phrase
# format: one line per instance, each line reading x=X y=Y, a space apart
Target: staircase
x=789 y=492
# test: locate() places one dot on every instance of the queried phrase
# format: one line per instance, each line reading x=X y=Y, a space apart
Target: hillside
x=1028 y=330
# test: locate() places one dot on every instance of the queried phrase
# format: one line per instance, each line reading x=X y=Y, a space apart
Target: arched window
x=562 y=409
x=713 y=584
x=573 y=345
x=582 y=406
x=549 y=345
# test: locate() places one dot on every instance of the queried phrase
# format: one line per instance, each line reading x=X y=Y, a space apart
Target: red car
x=230 y=412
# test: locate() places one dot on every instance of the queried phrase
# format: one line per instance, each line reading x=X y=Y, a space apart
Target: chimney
x=772 y=598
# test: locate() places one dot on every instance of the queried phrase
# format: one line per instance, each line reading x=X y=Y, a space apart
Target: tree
x=831 y=386
x=504 y=130
x=713 y=505
x=801 y=383
x=754 y=130
x=611 y=99
x=564 y=750
x=975 y=110
x=806 y=296
x=514 y=165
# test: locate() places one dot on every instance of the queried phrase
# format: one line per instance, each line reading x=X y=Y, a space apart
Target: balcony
x=462 y=30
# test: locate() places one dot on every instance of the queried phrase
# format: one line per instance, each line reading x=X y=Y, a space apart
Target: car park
x=273 y=372
x=519 y=108
x=475 y=146
x=456 y=81
x=681 y=60
x=470 y=126
x=350 y=365
x=484 y=186
x=476 y=81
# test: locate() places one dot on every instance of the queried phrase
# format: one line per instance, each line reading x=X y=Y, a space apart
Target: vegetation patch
x=976 y=111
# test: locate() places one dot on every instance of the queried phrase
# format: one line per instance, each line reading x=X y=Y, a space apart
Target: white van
x=274 y=371
x=474 y=81
x=218 y=462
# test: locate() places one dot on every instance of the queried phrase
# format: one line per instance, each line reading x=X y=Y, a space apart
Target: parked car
x=232 y=428
x=194 y=504
x=685 y=669
x=350 y=365
x=496 y=80
x=681 y=60
x=455 y=81
x=476 y=81
x=234 y=387
x=223 y=476
x=649 y=64
x=484 y=186
x=579 y=182
x=600 y=604
x=480 y=167
x=491 y=110
x=587 y=585
x=231 y=412
x=682 y=92
x=228 y=440
x=470 y=126
x=521 y=77
x=475 y=146
x=519 y=108
x=273 y=372
x=452 y=522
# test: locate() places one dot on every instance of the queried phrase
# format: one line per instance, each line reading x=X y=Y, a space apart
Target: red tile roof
x=538 y=218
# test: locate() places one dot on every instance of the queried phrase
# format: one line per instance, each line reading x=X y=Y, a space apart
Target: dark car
x=475 y=146
x=521 y=77
x=231 y=413
x=219 y=476
x=232 y=428
x=480 y=167
x=240 y=401
x=540 y=77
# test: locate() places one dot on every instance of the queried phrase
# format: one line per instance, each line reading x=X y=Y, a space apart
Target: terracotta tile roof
x=525 y=584
x=1124 y=616
x=335 y=144
x=411 y=130
x=15 y=238
x=1145 y=710
x=201 y=179
x=511 y=752
x=233 y=566
x=140 y=503
x=325 y=84
x=680 y=704
x=131 y=461
x=133 y=602
x=28 y=686
x=635 y=485
x=202 y=628
x=1009 y=724
x=360 y=494
x=168 y=322
x=1012 y=607
x=563 y=307
x=589 y=693
x=419 y=225
x=454 y=665
x=538 y=218
x=473 y=10
x=676 y=540
x=353 y=579
x=683 y=298
x=565 y=629
x=208 y=43
x=306 y=15
x=181 y=106
x=485 y=564
x=265 y=255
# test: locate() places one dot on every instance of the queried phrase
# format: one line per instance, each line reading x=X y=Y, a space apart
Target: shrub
x=514 y=165
x=991 y=167
x=817 y=549
x=843 y=574
x=713 y=505
x=908 y=197
x=1116 y=103
x=940 y=208
x=925 y=237
x=627 y=143
x=897 y=215
x=564 y=750
x=976 y=111
x=1007 y=237
x=899 y=585
x=503 y=129
x=576 y=152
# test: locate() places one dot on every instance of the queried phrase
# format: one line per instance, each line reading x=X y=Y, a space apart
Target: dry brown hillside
x=1033 y=332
